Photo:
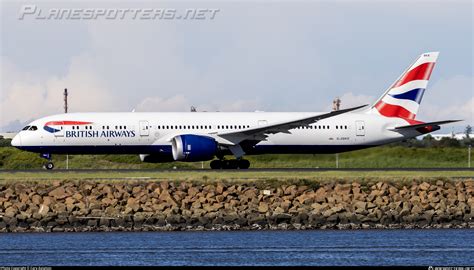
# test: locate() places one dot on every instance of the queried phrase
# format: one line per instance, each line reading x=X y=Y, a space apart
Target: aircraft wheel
x=244 y=164
x=216 y=164
x=49 y=166
x=230 y=164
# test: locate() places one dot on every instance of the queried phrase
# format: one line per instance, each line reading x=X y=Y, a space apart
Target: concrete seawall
x=160 y=205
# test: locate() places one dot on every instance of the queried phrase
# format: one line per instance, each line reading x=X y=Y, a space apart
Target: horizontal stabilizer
x=426 y=124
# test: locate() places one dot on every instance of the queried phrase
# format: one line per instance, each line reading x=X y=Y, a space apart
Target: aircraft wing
x=422 y=125
x=260 y=133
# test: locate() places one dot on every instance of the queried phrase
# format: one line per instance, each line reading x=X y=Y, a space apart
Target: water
x=362 y=247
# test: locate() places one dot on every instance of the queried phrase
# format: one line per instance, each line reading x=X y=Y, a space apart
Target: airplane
x=202 y=136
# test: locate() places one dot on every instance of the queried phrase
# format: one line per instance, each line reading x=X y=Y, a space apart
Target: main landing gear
x=48 y=165
x=230 y=164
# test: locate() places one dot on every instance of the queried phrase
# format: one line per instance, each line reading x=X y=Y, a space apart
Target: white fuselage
x=151 y=133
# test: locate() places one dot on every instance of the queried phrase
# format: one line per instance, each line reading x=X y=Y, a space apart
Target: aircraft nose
x=16 y=142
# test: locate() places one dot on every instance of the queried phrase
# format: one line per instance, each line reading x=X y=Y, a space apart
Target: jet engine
x=193 y=148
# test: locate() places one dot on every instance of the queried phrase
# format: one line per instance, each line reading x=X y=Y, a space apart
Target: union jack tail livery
x=403 y=98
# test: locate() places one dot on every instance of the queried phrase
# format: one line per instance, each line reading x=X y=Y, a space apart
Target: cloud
x=271 y=56
x=449 y=98
x=157 y=104
x=179 y=103
x=28 y=97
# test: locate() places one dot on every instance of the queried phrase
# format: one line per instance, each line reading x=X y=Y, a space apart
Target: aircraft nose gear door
x=360 y=128
x=144 y=129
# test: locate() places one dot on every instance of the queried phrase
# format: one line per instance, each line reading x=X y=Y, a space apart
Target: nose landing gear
x=48 y=165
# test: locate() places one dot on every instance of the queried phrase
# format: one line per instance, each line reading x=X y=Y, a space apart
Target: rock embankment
x=161 y=205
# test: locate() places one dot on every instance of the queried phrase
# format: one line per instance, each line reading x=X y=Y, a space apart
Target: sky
x=253 y=55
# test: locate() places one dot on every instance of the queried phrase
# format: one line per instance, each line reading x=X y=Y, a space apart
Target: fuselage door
x=360 y=128
x=144 y=129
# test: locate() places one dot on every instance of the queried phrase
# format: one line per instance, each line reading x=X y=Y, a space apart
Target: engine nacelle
x=193 y=148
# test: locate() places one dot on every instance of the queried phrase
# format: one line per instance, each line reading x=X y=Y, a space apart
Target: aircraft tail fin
x=402 y=99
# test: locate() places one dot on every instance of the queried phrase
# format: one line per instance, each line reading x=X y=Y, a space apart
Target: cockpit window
x=33 y=128
x=26 y=128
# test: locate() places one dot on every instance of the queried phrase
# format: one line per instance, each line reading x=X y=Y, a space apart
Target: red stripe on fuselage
x=421 y=72
x=390 y=110
x=66 y=123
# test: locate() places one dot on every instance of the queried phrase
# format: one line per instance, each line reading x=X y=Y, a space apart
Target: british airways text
x=99 y=134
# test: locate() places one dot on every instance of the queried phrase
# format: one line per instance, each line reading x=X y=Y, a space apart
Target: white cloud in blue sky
x=272 y=56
